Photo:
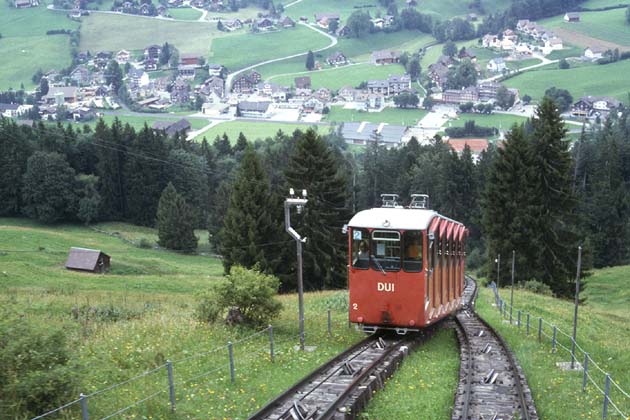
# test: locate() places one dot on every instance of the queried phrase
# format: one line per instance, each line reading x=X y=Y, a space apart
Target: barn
x=90 y=260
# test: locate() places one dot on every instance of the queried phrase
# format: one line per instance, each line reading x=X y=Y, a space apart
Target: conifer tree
x=507 y=207
x=310 y=60
x=241 y=143
x=112 y=147
x=551 y=180
x=248 y=222
x=313 y=167
x=222 y=146
x=144 y=175
x=174 y=222
x=188 y=173
x=14 y=152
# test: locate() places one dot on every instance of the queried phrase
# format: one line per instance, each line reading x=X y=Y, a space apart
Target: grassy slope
x=609 y=25
x=185 y=13
x=388 y=115
x=155 y=294
x=133 y=33
x=603 y=331
x=242 y=50
x=610 y=80
x=25 y=45
x=602 y=3
x=252 y=130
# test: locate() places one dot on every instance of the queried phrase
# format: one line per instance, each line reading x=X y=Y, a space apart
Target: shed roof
x=83 y=258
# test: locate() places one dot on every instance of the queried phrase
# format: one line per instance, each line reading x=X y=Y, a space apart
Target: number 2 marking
x=355 y=306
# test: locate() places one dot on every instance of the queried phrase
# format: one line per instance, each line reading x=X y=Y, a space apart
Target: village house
x=347 y=93
x=173 y=127
x=438 y=73
x=522 y=24
x=594 y=53
x=123 y=56
x=313 y=105
x=337 y=59
x=150 y=64
x=572 y=17
x=552 y=44
x=394 y=85
x=286 y=22
x=487 y=91
x=212 y=88
x=264 y=24
x=22 y=4
x=323 y=94
x=245 y=83
x=81 y=75
x=189 y=60
x=490 y=41
x=588 y=106
x=137 y=78
x=476 y=146
x=324 y=19
x=363 y=133
x=61 y=95
x=461 y=96
x=214 y=69
x=162 y=10
x=13 y=110
x=274 y=91
x=302 y=86
x=465 y=54
x=496 y=65
x=180 y=92
x=386 y=57
x=152 y=52
x=232 y=24
x=186 y=71
x=254 y=109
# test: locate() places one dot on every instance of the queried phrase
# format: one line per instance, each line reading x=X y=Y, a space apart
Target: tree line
x=534 y=195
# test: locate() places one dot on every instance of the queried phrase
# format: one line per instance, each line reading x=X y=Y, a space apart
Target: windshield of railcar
x=385 y=250
x=360 y=248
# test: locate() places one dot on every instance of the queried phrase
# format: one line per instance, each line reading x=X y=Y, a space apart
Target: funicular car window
x=412 y=258
x=385 y=250
x=360 y=248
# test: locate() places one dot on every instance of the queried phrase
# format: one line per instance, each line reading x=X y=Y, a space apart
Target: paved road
x=333 y=42
x=544 y=62
x=110 y=12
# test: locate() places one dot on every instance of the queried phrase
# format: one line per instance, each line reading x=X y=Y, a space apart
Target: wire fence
x=613 y=395
x=161 y=381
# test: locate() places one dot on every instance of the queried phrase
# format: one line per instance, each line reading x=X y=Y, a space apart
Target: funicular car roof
x=396 y=218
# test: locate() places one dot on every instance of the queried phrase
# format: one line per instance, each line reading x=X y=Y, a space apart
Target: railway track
x=492 y=385
x=341 y=388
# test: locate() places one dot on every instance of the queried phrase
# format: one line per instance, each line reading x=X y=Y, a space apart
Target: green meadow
x=25 y=45
x=142 y=313
x=387 y=115
x=242 y=50
x=501 y=121
x=253 y=130
x=184 y=13
x=114 y=32
x=609 y=25
x=604 y=80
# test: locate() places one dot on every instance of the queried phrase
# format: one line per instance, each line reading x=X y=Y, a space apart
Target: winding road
x=333 y=42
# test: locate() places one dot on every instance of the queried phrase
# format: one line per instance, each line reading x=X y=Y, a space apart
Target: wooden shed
x=91 y=260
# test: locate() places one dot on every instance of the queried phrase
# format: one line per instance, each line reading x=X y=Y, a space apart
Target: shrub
x=34 y=372
x=144 y=243
x=249 y=292
x=538 y=287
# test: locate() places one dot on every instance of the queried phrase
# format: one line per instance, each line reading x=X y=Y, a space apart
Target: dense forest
x=536 y=194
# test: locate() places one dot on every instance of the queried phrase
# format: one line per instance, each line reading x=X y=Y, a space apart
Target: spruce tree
x=144 y=175
x=174 y=222
x=248 y=223
x=222 y=146
x=14 y=152
x=508 y=217
x=48 y=191
x=112 y=147
x=188 y=173
x=551 y=180
x=310 y=60
x=313 y=167
x=241 y=143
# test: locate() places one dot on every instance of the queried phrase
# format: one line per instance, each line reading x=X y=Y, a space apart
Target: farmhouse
x=572 y=17
x=180 y=92
x=90 y=260
x=594 y=105
x=385 y=57
x=21 y=4
x=138 y=78
x=287 y=22
x=123 y=56
x=60 y=95
x=212 y=86
x=152 y=52
x=364 y=133
x=496 y=65
x=594 y=53
x=438 y=73
x=264 y=24
x=81 y=75
x=246 y=83
x=323 y=19
x=232 y=24
x=337 y=59
x=173 y=127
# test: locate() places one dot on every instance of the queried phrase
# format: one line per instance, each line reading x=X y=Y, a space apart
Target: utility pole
x=299 y=203
x=577 y=302
x=498 y=261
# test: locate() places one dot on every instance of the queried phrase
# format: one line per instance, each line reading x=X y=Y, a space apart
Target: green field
x=115 y=32
x=609 y=25
x=25 y=45
x=607 y=80
x=591 y=4
x=336 y=78
x=501 y=121
x=184 y=13
x=147 y=305
x=242 y=50
x=253 y=130
x=388 y=115
x=357 y=50
x=603 y=332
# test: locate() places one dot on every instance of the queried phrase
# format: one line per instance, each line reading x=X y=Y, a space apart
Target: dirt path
x=584 y=40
